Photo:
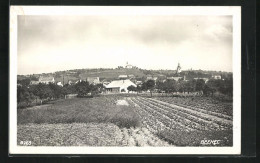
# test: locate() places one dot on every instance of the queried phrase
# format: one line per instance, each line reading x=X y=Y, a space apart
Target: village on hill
x=119 y=79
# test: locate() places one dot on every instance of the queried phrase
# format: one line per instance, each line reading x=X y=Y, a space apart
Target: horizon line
x=125 y=68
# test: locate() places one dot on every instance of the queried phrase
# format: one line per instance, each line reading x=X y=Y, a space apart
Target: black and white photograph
x=125 y=80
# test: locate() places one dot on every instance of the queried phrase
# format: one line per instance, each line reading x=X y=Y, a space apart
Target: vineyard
x=117 y=120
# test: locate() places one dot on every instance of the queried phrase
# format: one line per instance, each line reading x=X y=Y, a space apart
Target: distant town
x=118 y=79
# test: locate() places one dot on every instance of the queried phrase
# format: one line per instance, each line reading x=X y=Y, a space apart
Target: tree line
x=32 y=94
x=199 y=86
x=28 y=95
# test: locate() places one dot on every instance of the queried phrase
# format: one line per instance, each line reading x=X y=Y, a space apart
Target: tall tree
x=82 y=88
x=150 y=84
x=200 y=84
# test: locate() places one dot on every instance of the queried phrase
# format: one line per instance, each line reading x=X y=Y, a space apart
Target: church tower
x=178 y=70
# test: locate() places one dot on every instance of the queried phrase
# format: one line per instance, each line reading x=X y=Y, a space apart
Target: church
x=128 y=65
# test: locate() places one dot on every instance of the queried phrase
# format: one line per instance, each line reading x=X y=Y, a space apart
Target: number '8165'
x=25 y=143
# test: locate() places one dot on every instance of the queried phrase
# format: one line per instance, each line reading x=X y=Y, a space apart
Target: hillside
x=111 y=74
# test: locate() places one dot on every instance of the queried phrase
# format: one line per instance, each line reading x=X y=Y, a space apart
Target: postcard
x=125 y=80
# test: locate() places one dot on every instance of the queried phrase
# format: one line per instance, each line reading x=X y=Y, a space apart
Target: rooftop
x=120 y=83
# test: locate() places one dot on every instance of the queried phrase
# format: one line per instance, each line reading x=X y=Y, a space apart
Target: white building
x=119 y=86
x=122 y=77
x=174 y=78
x=128 y=65
x=44 y=79
x=205 y=79
x=59 y=84
x=216 y=77
x=93 y=80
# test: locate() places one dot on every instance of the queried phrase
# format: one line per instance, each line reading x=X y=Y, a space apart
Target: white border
x=235 y=11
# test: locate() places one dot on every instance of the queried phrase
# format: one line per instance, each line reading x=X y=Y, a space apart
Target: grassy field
x=81 y=110
x=116 y=120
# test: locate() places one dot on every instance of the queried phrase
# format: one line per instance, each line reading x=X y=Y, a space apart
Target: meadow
x=81 y=110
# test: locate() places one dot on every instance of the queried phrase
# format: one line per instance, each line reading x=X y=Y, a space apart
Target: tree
x=138 y=89
x=43 y=91
x=24 y=95
x=24 y=82
x=57 y=91
x=170 y=86
x=150 y=85
x=28 y=98
x=100 y=87
x=214 y=85
x=94 y=89
x=131 y=88
x=207 y=90
x=160 y=86
x=226 y=87
x=82 y=88
x=181 y=86
x=200 y=84
x=20 y=92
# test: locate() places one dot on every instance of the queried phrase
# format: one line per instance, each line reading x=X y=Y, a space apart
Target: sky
x=56 y=43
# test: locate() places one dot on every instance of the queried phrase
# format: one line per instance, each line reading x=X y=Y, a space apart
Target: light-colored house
x=122 y=77
x=59 y=84
x=93 y=80
x=46 y=79
x=174 y=78
x=34 y=82
x=119 y=86
x=151 y=78
x=216 y=77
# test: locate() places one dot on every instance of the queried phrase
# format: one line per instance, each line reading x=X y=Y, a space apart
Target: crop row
x=170 y=120
x=175 y=116
x=211 y=107
x=148 y=119
x=197 y=122
x=213 y=120
x=201 y=118
x=204 y=110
